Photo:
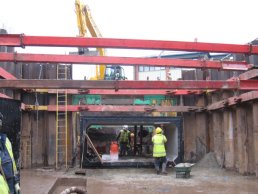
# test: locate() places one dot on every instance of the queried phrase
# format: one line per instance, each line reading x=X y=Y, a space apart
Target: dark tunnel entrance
x=102 y=131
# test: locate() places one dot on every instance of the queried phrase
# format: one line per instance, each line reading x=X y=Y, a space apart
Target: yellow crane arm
x=94 y=31
x=80 y=18
x=84 y=22
x=91 y=25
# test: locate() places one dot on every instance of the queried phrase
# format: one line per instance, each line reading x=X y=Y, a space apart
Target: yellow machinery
x=87 y=27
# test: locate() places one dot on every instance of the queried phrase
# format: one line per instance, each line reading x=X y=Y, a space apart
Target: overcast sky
x=220 y=21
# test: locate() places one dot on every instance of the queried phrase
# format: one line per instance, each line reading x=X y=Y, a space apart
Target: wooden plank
x=228 y=139
x=255 y=135
x=218 y=137
x=242 y=139
x=93 y=147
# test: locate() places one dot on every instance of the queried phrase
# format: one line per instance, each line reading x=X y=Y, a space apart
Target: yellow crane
x=87 y=27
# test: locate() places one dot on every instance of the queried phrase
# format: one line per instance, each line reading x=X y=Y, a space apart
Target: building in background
x=166 y=73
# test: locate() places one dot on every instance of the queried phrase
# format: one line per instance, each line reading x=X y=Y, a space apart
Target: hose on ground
x=74 y=190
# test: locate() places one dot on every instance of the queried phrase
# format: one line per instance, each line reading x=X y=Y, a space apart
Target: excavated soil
x=208 y=161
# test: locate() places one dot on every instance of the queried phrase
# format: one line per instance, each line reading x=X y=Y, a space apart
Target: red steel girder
x=131 y=92
x=116 y=85
x=5 y=74
x=5 y=96
x=253 y=95
x=114 y=108
x=79 y=59
x=252 y=74
x=20 y=40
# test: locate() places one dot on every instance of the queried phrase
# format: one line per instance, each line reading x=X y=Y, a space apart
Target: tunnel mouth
x=102 y=134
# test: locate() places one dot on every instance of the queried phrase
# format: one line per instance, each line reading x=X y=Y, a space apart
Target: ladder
x=61 y=119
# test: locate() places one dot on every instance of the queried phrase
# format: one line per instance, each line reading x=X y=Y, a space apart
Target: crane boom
x=80 y=19
x=87 y=27
x=84 y=22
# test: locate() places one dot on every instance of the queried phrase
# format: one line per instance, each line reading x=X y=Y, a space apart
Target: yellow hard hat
x=158 y=130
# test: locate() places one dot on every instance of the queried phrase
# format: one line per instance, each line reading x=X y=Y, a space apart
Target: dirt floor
x=141 y=181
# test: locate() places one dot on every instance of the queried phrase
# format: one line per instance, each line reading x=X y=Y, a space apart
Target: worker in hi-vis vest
x=124 y=141
x=9 y=181
x=159 y=151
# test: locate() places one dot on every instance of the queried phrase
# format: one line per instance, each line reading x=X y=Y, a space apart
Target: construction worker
x=124 y=139
x=8 y=170
x=131 y=143
x=159 y=151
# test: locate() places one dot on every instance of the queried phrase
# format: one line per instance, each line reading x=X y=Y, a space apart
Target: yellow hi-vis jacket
x=159 y=141
x=124 y=136
x=10 y=151
x=4 y=188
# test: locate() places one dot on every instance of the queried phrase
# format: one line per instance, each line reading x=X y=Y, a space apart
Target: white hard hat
x=125 y=126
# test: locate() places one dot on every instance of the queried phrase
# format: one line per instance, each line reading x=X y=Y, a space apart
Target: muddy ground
x=141 y=181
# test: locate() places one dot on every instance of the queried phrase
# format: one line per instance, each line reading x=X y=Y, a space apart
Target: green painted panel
x=154 y=99
x=86 y=99
x=142 y=102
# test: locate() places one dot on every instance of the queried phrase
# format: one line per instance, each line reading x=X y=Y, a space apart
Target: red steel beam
x=20 y=40
x=116 y=85
x=5 y=74
x=244 y=76
x=252 y=74
x=131 y=92
x=253 y=95
x=112 y=108
x=5 y=96
x=79 y=59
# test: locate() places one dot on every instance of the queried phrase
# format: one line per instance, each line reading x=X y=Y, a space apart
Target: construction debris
x=208 y=161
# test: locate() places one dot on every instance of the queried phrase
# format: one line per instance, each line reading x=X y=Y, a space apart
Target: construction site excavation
x=181 y=121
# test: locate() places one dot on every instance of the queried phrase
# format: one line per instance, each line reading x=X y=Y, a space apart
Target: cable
x=36 y=106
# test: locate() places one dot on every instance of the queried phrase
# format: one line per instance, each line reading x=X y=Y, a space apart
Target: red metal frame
x=22 y=40
x=116 y=85
x=234 y=100
x=113 y=108
x=5 y=96
x=249 y=74
x=79 y=59
x=131 y=92
x=5 y=74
